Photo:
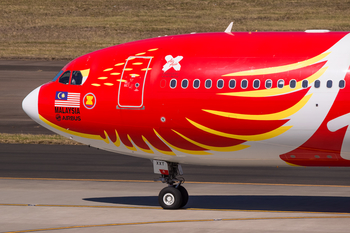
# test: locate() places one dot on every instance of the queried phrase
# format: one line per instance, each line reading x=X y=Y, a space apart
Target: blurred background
x=64 y=29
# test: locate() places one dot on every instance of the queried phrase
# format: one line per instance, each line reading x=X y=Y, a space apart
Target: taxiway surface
x=79 y=189
x=18 y=79
x=95 y=206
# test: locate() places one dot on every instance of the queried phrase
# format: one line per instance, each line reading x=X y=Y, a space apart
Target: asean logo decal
x=89 y=101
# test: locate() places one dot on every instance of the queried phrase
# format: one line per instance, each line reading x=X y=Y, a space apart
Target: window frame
x=318 y=83
x=199 y=83
x=71 y=79
x=266 y=81
x=175 y=83
x=278 y=83
x=211 y=83
x=307 y=84
x=70 y=75
x=244 y=80
x=217 y=83
x=182 y=82
x=295 y=83
x=329 y=83
x=256 y=80
x=229 y=83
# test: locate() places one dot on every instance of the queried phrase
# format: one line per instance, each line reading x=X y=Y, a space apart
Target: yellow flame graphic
x=279 y=69
x=264 y=117
x=257 y=137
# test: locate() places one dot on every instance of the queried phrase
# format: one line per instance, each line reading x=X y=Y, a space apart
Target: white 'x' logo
x=172 y=62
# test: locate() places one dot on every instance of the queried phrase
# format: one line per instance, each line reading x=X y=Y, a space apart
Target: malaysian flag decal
x=67 y=99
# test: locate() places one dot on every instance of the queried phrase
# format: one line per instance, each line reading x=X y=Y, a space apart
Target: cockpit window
x=77 y=78
x=65 y=77
x=57 y=76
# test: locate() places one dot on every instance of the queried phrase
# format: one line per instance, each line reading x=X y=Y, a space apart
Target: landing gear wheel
x=174 y=196
x=184 y=195
x=170 y=198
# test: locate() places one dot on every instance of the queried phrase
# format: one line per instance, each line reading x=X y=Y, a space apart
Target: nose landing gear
x=174 y=196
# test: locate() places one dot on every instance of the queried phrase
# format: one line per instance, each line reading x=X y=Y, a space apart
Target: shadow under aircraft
x=244 y=202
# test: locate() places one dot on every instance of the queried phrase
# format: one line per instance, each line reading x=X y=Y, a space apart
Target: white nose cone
x=30 y=104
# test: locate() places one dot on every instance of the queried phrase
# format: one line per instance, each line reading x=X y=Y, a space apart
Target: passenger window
x=208 y=83
x=77 y=78
x=317 y=84
x=196 y=83
x=292 y=83
x=57 y=76
x=232 y=83
x=268 y=83
x=244 y=83
x=184 y=83
x=305 y=84
x=220 y=83
x=173 y=83
x=65 y=77
x=341 y=84
x=280 y=83
x=256 y=83
x=329 y=83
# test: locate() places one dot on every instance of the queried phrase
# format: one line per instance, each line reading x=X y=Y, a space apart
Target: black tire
x=184 y=195
x=170 y=198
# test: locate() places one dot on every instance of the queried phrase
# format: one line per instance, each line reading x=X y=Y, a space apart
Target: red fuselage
x=211 y=98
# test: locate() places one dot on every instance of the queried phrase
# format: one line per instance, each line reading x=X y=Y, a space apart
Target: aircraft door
x=132 y=81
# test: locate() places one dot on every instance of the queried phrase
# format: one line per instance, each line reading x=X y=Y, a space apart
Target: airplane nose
x=30 y=104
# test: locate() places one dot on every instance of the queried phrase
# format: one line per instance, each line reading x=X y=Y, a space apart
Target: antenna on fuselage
x=229 y=28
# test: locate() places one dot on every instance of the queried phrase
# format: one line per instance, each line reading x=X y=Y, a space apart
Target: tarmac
x=80 y=189
x=94 y=206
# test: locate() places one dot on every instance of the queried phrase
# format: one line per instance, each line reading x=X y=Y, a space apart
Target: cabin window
x=256 y=83
x=305 y=84
x=329 y=83
x=77 y=78
x=173 y=83
x=244 y=83
x=232 y=84
x=341 y=84
x=268 y=83
x=65 y=77
x=196 y=83
x=208 y=83
x=292 y=83
x=280 y=83
x=184 y=83
x=57 y=76
x=220 y=83
x=317 y=84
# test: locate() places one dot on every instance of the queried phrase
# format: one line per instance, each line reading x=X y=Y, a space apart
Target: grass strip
x=35 y=139
x=63 y=30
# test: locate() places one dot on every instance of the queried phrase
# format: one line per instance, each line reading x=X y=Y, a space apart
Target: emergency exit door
x=132 y=82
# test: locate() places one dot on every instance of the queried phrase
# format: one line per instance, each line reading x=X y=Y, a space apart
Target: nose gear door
x=132 y=82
